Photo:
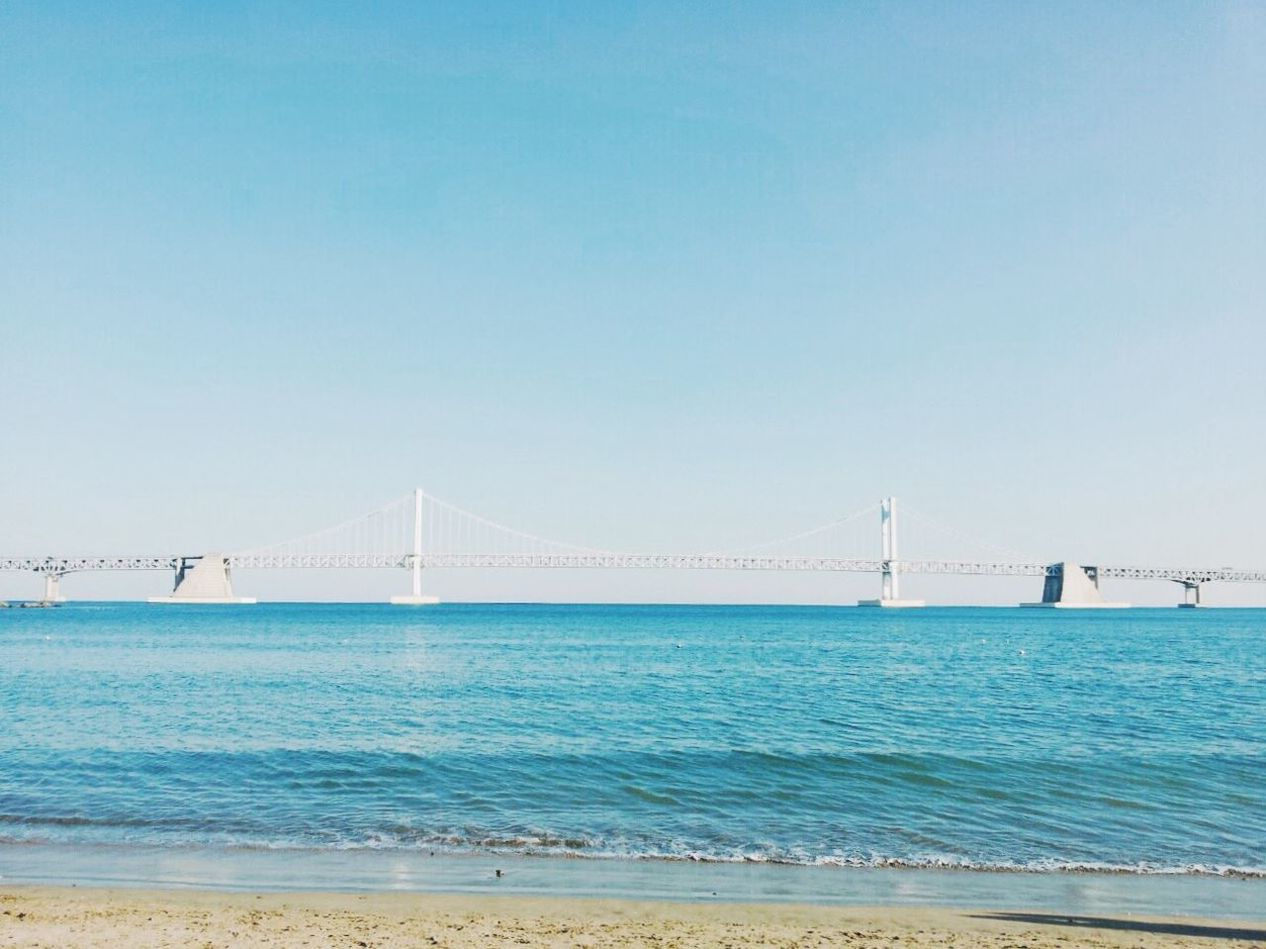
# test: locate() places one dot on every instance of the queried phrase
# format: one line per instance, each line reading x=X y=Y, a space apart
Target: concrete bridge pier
x=1069 y=585
x=202 y=579
x=1190 y=593
x=53 y=588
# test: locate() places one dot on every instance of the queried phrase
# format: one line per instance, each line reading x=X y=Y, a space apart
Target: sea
x=1077 y=759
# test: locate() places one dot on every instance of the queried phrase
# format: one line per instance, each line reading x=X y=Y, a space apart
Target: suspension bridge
x=418 y=532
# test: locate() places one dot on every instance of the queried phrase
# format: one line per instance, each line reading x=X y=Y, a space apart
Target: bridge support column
x=415 y=598
x=53 y=588
x=1069 y=585
x=1190 y=594
x=203 y=579
x=889 y=566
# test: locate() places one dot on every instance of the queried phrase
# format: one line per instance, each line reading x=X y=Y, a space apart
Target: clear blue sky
x=640 y=275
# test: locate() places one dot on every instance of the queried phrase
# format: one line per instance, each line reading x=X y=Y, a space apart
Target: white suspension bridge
x=418 y=532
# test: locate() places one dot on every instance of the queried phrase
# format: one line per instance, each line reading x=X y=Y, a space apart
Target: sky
x=643 y=276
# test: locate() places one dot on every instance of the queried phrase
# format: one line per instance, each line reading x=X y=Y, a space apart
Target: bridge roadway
x=601 y=560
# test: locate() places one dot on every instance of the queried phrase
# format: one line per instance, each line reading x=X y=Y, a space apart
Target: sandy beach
x=70 y=917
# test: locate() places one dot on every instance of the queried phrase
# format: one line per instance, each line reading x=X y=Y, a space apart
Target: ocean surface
x=984 y=739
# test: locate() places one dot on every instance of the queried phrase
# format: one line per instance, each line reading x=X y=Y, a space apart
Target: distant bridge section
x=1184 y=574
x=616 y=561
x=419 y=532
x=64 y=565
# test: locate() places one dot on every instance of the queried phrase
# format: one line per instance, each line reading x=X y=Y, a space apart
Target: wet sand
x=71 y=916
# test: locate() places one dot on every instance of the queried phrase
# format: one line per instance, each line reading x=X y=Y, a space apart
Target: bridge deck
x=598 y=560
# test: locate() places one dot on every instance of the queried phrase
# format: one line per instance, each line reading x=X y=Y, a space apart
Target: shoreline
x=830 y=863
x=74 y=916
x=147 y=868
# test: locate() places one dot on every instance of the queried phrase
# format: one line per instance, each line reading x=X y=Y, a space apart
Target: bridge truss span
x=1184 y=574
x=64 y=565
x=635 y=561
x=627 y=561
x=294 y=561
x=546 y=561
x=972 y=568
x=618 y=561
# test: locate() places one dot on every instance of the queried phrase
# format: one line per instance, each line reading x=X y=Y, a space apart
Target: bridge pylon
x=890 y=565
x=416 y=597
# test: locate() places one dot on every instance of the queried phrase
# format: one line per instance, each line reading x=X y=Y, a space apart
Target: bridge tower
x=415 y=598
x=889 y=564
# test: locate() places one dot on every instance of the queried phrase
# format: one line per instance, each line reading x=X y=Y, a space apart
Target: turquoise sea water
x=976 y=738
